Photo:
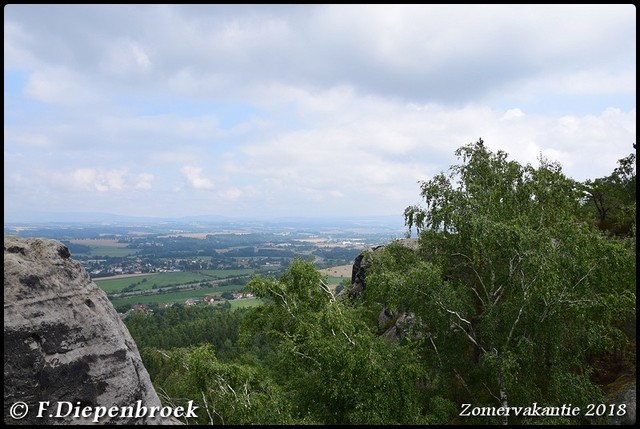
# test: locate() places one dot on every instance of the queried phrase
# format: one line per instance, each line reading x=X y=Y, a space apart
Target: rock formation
x=395 y=325
x=361 y=263
x=624 y=395
x=64 y=342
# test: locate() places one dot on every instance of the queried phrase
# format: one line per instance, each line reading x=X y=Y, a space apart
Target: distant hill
x=393 y=223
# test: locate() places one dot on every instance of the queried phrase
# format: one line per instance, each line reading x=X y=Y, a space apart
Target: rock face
x=360 y=264
x=626 y=396
x=395 y=324
x=64 y=342
x=358 y=273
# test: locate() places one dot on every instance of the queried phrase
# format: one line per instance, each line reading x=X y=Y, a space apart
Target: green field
x=332 y=280
x=169 y=297
x=228 y=288
x=223 y=274
x=97 y=251
x=116 y=285
x=249 y=302
x=167 y=279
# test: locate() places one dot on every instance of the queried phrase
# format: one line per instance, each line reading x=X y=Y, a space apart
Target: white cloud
x=58 y=85
x=28 y=138
x=84 y=177
x=144 y=181
x=125 y=58
x=103 y=180
x=15 y=38
x=231 y=194
x=512 y=114
x=283 y=109
x=194 y=176
x=115 y=179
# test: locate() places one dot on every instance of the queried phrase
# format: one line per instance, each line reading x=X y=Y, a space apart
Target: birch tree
x=533 y=292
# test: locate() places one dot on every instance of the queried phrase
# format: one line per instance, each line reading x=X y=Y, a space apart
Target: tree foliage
x=238 y=392
x=333 y=366
x=612 y=198
x=532 y=291
x=181 y=326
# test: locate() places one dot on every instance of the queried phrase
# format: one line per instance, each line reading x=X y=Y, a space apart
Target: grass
x=169 y=297
x=107 y=251
x=116 y=285
x=167 y=279
x=229 y=288
x=249 y=302
x=223 y=274
x=332 y=280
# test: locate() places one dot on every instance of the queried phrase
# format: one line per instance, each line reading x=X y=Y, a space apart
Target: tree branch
x=477 y=275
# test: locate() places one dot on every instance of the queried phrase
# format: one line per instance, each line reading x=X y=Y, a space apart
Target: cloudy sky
x=300 y=110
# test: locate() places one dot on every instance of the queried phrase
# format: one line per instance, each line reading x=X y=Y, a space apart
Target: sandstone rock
x=64 y=341
x=625 y=396
x=358 y=273
x=363 y=260
x=394 y=325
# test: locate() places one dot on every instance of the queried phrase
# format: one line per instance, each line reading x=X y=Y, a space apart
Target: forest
x=522 y=292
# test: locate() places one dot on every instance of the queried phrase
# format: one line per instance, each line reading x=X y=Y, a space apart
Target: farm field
x=113 y=285
x=335 y=275
x=245 y=302
x=144 y=283
x=171 y=297
x=335 y=281
x=103 y=247
x=98 y=242
x=163 y=298
x=116 y=252
x=338 y=271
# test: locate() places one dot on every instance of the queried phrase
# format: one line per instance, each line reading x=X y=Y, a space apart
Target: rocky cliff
x=64 y=343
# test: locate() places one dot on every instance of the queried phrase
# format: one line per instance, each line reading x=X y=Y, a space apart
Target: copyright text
x=62 y=409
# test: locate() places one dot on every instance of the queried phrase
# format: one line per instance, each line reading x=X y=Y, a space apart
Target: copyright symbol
x=18 y=410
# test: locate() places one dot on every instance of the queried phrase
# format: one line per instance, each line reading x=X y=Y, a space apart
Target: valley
x=159 y=264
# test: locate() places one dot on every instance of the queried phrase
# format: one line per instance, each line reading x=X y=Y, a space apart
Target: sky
x=300 y=110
